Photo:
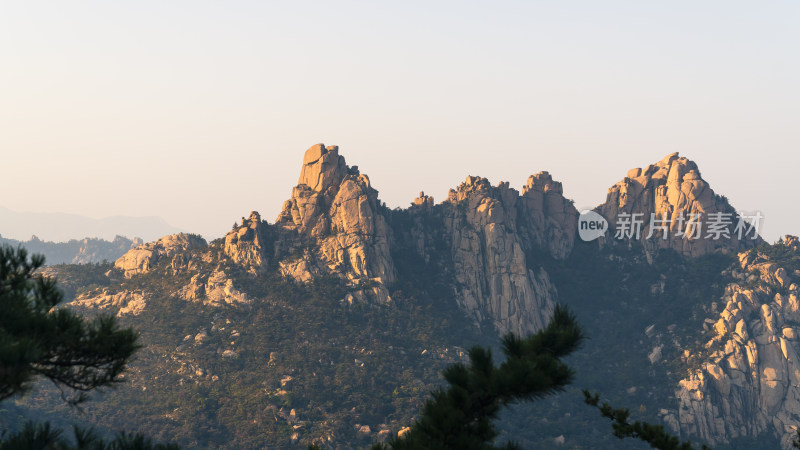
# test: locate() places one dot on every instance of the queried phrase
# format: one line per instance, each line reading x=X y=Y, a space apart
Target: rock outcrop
x=334 y=212
x=675 y=208
x=491 y=234
x=126 y=302
x=247 y=244
x=335 y=224
x=212 y=289
x=750 y=382
x=144 y=257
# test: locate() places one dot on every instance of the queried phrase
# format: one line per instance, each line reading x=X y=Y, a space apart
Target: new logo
x=591 y=225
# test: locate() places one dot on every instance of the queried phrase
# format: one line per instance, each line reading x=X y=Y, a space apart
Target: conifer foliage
x=40 y=340
x=462 y=416
x=37 y=339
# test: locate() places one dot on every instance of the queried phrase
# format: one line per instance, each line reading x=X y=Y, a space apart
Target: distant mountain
x=74 y=251
x=60 y=227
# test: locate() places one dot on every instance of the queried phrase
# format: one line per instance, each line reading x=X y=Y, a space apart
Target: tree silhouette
x=37 y=339
x=40 y=340
x=462 y=416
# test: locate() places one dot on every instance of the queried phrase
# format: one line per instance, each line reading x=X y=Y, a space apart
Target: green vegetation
x=462 y=416
x=38 y=340
x=230 y=376
x=655 y=435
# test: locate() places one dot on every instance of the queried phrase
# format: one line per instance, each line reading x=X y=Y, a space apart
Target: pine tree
x=40 y=340
x=655 y=435
x=462 y=416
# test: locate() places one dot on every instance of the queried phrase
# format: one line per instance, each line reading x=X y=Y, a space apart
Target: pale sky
x=200 y=111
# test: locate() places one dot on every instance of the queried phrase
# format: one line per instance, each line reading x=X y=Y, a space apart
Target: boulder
x=144 y=257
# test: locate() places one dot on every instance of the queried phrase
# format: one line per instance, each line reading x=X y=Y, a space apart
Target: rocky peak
x=671 y=198
x=492 y=230
x=335 y=211
x=323 y=168
x=424 y=201
x=551 y=219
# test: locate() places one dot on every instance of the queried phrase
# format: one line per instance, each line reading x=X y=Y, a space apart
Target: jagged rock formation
x=491 y=233
x=336 y=225
x=212 y=289
x=245 y=245
x=128 y=302
x=142 y=258
x=750 y=382
x=674 y=191
x=493 y=251
x=548 y=219
x=335 y=211
x=492 y=230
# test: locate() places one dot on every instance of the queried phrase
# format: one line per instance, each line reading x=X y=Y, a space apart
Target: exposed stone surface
x=302 y=269
x=337 y=226
x=142 y=258
x=246 y=244
x=335 y=210
x=751 y=382
x=674 y=192
x=128 y=302
x=424 y=201
x=490 y=234
x=548 y=220
x=212 y=289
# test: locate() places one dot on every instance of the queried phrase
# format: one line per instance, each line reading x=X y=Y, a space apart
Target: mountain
x=59 y=227
x=331 y=324
x=84 y=251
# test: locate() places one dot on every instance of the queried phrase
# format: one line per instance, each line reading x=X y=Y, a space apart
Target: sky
x=200 y=111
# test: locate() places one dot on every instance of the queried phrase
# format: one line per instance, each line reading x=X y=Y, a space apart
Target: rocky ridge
x=493 y=247
x=125 y=302
x=677 y=207
x=750 y=381
x=143 y=257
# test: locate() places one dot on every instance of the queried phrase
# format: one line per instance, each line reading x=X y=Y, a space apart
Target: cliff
x=748 y=381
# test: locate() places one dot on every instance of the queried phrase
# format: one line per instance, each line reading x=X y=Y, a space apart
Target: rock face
x=491 y=233
x=246 y=244
x=336 y=210
x=142 y=258
x=335 y=224
x=212 y=289
x=750 y=383
x=127 y=302
x=672 y=200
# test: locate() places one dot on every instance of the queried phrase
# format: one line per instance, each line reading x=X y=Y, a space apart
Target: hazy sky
x=200 y=111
